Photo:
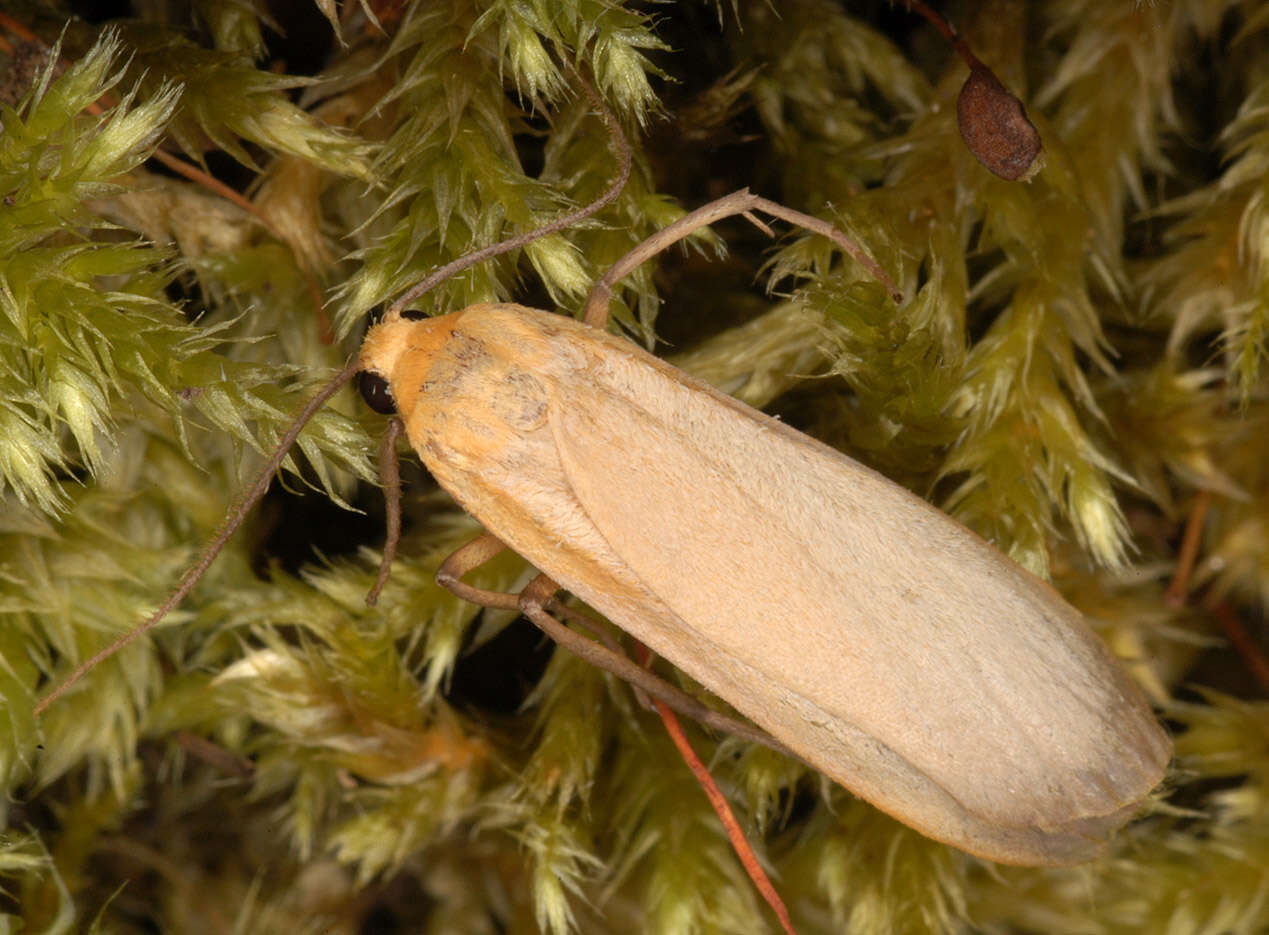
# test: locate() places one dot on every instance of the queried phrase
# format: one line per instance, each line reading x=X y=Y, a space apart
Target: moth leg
x=537 y=596
x=592 y=626
x=467 y=558
x=482 y=549
x=390 y=476
x=534 y=601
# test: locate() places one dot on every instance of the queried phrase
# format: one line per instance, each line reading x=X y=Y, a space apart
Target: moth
x=868 y=633
x=879 y=640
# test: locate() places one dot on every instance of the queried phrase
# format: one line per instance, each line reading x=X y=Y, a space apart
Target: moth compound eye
x=376 y=392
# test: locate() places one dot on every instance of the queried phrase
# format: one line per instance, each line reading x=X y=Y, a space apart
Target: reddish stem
x=736 y=834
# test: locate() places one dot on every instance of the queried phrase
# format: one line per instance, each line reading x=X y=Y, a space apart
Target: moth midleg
x=534 y=600
x=475 y=553
x=539 y=595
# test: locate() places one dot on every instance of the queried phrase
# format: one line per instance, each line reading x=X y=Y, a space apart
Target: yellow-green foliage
x=1079 y=358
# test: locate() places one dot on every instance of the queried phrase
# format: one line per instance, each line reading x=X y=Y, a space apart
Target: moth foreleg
x=390 y=477
x=468 y=558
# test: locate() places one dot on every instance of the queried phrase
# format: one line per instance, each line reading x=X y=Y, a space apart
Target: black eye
x=375 y=391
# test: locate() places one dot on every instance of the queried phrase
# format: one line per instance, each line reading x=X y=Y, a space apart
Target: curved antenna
x=738 y=202
x=235 y=519
x=620 y=148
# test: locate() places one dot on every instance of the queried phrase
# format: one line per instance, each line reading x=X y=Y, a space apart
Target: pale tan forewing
x=886 y=643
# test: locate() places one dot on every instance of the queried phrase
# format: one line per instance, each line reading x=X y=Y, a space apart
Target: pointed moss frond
x=1237 y=563
x=876 y=875
x=668 y=845
x=56 y=312
x=1025 y=451
x=1111 y=102
x=85 y=323
x=1227 y=739
x=570 y=703
x=1129 y=609
x=820 y=66
x=52 y=100
x=1246 y=342
x=605 y=34
x=346 y=701
x=404 y=766
x=20 y=853
x=228 y=102
x=1168 y=427
x=550 y=862
x=453 y=176
x=1217 y=275
x=117 y=550
x=18 y=672
x=767 y=782
x=41 y=889
x=391 y=825
x=64 y=597
x=560 y=862
x=900 y=368
x=237 y=26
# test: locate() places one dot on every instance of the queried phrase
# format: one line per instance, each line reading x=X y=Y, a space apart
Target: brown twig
x=1179 y=588
x=1252 y=655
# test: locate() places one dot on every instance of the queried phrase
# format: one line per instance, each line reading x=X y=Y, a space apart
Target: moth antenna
x=389 y=470
x=739 y=202
x=620 y=148
x=213 y=549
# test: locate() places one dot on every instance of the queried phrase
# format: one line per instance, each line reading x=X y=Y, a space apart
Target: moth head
x=381 y=349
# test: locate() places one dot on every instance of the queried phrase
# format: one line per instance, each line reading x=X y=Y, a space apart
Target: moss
x=1080 y=361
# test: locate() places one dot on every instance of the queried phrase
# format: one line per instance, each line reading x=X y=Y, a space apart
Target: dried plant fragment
x=992 y=121
x=995 y=127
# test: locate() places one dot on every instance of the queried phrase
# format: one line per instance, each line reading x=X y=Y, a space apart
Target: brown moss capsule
x=996 y=128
